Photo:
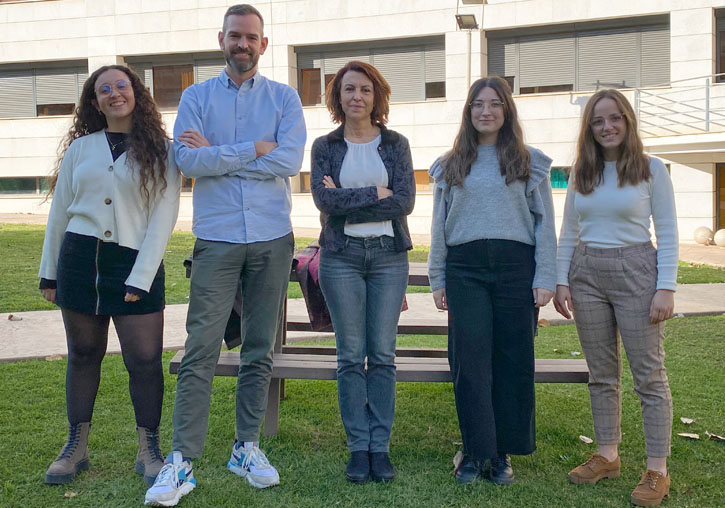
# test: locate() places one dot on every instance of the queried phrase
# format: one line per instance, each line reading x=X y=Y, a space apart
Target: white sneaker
x=249 y=462
x=176 y=479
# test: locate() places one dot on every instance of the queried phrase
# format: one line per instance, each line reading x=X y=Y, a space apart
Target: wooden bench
x=412 y=364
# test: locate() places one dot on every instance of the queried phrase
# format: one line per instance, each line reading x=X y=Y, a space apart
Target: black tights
x=141 y=338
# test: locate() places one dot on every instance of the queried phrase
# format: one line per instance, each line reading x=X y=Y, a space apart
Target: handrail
x=691 y=109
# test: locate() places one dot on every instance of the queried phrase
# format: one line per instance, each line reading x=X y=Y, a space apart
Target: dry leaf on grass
x=688 y=435
x=714 y=437
x=686 y=421
x=457 y=458
x=70 y=494
x=544 y=322
x=53 y=358
x=13 y=317
x=585 y=439
x=575 y=353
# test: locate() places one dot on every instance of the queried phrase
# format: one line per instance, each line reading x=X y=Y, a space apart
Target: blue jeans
x=364 y=286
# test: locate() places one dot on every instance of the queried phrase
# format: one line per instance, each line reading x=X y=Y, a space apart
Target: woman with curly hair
x=492 y=262
x=115 y=201
x=620 y=285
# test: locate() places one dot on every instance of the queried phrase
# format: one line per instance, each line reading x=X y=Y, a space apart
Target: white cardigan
x=96 y=196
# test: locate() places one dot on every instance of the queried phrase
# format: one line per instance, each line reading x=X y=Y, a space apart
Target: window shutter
x=336 y=60
x=435 y=63
x=146 y=73
x=81 y=78
x=309 y=61
x=207 y=69
x=546 y=60
x=56 y=86
x=608 y=59
x=502 y=57
x=656 y=55
x=403 y=70
x=16 y=94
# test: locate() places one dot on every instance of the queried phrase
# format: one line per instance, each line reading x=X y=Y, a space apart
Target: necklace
x=116 y=144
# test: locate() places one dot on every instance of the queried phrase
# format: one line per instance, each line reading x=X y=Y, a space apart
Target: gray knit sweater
x=484 y=207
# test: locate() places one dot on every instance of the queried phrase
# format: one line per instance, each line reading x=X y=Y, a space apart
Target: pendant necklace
x=116 y=144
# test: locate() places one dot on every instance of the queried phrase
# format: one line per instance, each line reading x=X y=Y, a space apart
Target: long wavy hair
x=381 y=93
x=513 y=158
x=632 y=164
x=147 y=141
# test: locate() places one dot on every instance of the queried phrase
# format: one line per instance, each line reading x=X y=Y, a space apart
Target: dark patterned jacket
x=362 y=204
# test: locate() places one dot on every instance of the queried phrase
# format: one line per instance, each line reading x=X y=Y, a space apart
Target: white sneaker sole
x=269 y=481
x=183 y=490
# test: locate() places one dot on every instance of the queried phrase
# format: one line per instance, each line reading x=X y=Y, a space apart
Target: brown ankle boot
x=73 y=458
x=149 y=460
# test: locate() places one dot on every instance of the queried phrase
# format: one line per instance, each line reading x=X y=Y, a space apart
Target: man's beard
x=240 y=67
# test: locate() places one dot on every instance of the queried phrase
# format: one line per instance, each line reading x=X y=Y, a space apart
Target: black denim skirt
x=92 y=278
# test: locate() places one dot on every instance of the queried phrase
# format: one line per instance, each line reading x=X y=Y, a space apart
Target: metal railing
x=687 y=108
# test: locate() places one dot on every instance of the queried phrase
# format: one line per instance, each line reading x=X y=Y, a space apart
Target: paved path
x=40 y=334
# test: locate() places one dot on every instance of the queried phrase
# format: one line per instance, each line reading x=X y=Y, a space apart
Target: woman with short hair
x=362 y=182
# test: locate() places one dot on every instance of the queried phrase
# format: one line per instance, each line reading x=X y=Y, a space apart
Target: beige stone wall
x=105 y=31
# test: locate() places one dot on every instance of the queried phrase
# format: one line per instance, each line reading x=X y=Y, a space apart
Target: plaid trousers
x=612 y=290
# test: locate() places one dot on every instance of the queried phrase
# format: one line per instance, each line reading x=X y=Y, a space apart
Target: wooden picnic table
x=412 y=364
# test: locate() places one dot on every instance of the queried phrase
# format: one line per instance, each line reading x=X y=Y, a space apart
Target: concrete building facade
x=664 y=54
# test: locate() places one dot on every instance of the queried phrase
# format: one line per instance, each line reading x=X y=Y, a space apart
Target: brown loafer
x=595 y=469
x=651 y=489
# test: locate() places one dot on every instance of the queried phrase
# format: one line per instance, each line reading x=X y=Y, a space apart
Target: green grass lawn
x=21 y=246
x=310 y=448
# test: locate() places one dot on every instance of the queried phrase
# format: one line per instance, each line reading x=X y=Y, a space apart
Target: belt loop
x=382 y=241
x=347 y=241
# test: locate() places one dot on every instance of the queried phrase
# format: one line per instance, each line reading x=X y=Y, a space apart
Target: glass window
x=28 y=185
x=422 y=180
x=54 y=109
x=187 y=184
x=414 y=67
x=435 y=90
x=305 y=182
x=310 y=87
x=169 y=82
x=559 y=178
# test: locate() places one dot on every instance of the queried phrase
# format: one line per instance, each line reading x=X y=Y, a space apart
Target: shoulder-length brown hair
x=632 y=164
x=381 y=93
x=513 y=158
x=147 y=140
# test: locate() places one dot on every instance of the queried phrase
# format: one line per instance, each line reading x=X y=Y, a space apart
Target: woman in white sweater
x=115 y=201
x=614 y=279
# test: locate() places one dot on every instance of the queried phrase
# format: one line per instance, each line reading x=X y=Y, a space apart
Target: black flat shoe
x=501 y=472
x=358 y=467
x=381 y=469
x=468 y=471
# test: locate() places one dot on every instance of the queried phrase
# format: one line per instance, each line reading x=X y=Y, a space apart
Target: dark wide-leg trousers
x=491 y=325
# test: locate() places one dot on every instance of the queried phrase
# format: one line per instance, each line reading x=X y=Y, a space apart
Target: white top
x=96 y=196
x=613 y=216
x=363 y=167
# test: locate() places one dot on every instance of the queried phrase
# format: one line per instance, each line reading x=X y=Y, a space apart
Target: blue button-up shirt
x=239 y=198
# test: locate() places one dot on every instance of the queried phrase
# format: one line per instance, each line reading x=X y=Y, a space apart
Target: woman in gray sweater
x=491 y=264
